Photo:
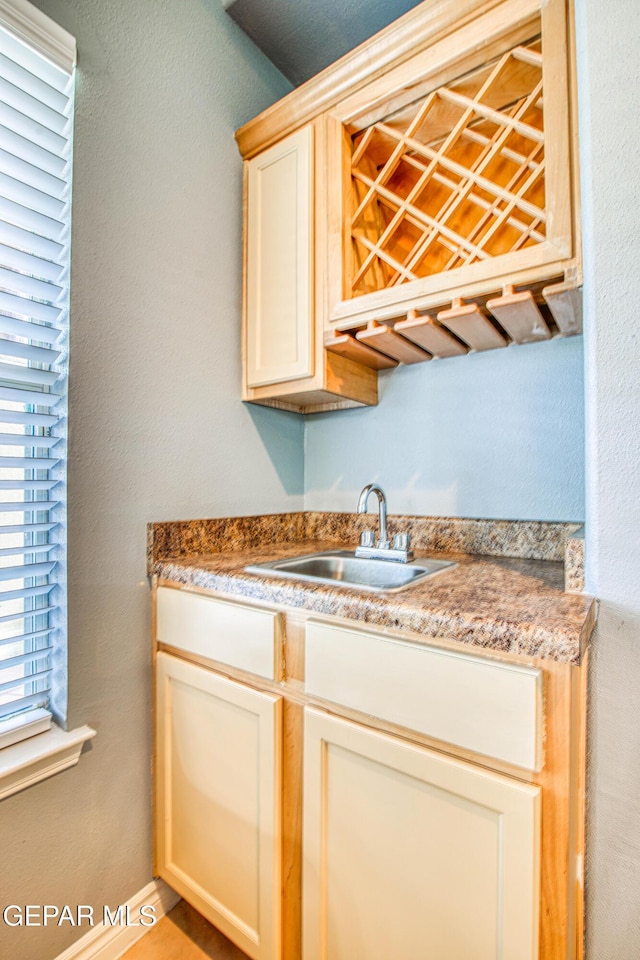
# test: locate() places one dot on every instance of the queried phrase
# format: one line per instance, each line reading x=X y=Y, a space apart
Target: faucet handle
x=401 y=541
x=367 y=538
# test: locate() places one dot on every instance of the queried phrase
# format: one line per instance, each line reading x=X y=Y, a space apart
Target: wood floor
x=184 y=935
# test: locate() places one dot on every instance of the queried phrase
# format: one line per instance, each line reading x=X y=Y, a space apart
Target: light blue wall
x=495 y=434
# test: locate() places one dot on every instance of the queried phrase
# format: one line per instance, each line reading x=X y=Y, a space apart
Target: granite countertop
x=509 y=604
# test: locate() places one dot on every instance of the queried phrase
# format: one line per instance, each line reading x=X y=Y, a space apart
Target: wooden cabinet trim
x=412 y=32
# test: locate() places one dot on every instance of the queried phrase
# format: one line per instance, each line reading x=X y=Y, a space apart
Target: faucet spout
x=383 y=539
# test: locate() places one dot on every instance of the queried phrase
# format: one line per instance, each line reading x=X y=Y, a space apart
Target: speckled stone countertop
x=513 y=604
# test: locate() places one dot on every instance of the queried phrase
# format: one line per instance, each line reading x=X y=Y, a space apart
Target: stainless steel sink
x=343 y=568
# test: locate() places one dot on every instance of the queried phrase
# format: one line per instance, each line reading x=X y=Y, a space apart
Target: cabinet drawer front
x=241 y=636
x=485 y=706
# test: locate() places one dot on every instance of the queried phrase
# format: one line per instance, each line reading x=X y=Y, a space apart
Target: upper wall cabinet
x=279 y=251
x=285 y=361
x=443 y=212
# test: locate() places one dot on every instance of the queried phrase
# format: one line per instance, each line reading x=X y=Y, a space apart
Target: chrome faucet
x=382 y=550
x=383 y=541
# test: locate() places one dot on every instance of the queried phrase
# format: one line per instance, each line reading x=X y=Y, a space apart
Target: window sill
x=39 y=757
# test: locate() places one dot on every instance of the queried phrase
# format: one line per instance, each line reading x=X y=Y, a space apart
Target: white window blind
x=36 y=102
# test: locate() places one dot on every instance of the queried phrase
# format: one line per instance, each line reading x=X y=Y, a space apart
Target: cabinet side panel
x=279 y=262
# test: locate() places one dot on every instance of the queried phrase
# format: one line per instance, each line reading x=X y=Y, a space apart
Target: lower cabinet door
x=218 y=788
x=411 y=854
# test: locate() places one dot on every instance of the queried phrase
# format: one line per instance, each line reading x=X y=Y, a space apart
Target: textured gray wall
x=495 y=434
x=303 y=37
x=158 y=430
x=609 y=75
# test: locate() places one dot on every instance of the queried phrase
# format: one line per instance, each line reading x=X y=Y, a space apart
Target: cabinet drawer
x=488 y=707
x=237 y=634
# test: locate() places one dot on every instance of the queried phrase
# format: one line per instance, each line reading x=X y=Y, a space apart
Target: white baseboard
x=110 y=942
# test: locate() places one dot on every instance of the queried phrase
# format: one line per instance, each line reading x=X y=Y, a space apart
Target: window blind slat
x=25 y=351
x=22 y=440
x=31 y=196
x=27 y=593
x=26 y=169
x=41 y=611
x=27 y=463
x=33 y=132
x=20 y=77
x=11 y=303
x=32 y=485
x=30 y=220
x=30 y=375
x=46 y=420
x=37 y=635
x=22 y=703
x=23 y=681
x=27 y=528
x=33 y=506
x=20 y=282
x=32 y=107
x=35 y=266
x=19 y=145
x=31 y=243
x=41 y=654
x=35 y=548
x=28 y=330
x=27 y=570
x=16 y=394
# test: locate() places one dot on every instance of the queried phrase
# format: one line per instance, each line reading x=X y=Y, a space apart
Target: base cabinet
x=218 y=788
x=410 y=853
x=325 y=791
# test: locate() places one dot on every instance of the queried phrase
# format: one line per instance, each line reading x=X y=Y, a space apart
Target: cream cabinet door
x=411 y=854
x=279 y=293
x=218 y=787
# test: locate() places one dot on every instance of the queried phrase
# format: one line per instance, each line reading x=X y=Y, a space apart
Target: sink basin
x=343 y=568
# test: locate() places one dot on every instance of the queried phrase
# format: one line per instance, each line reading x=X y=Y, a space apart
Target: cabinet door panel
x=218 y=801
x=279 y=268
x=409 y=853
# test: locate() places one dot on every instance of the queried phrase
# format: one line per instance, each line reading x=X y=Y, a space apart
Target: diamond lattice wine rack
x=454 y=179
x=451 y=197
